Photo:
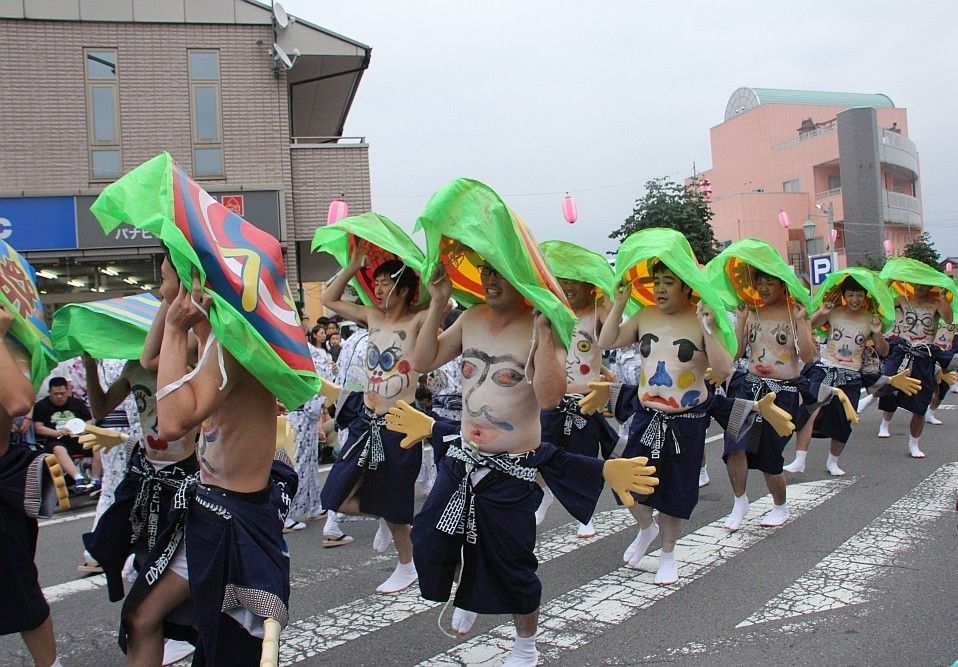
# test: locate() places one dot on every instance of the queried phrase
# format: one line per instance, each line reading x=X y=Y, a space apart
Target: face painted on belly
x=771 y=346
x=585 y=357
x=945 y=336
x=487 y=382
x=672 y=377
x=916 y=323
x=387 y=366
x=846 y=341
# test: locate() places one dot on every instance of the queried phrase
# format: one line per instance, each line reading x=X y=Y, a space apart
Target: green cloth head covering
x=468 y=213
x=108 y=329
x=569 y=261
x=18 y=293
x=240 y=266
x=383 y=240
x=731 y=276
x=639 y=253
x=902 y=271
x=879 y=300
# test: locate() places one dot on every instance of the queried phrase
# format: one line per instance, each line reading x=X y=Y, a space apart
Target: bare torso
x=848 y=333
x=389 y=373
x=672 y=349
x=771 y=343
x=584 y=360
x=499 y=408
x=237 y=441
x=945 y=336
x=916 y=322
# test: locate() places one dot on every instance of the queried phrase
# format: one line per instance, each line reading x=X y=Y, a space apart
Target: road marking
x=65 y=519
x=578 y=617
x=60 y=591
x=305 y=638
x=847 y=575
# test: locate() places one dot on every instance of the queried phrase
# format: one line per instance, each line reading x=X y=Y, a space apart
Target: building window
x=791 y=186
x=205 y=109
x=834 y=181
x=103 y=113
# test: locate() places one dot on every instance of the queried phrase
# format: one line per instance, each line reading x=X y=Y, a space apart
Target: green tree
x=923 y=249
x=678 y=206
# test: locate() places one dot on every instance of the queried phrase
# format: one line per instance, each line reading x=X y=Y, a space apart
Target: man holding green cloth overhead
x=587 y=282
x=774 y=335
x=682 y=330
x=480 y=514
x=253 y=352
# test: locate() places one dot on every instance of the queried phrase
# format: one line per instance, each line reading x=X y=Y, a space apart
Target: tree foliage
x=923 y=249
x=677 y=206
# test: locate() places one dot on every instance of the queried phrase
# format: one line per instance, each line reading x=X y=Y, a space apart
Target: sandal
x=89 y=566
x=329 y=541
x=290 y=526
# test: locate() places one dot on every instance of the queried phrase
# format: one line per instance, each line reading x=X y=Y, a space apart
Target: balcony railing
x=326 y=142
x=834 y=192
x=903 y=201
x=805 y=136
x=899 y=141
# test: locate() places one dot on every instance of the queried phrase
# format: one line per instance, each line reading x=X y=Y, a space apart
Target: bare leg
x=401 y=539
x=737 y=466
x=145 y=624
x=63 y=458
x=524 y=651
x=41 y=643
x=527 y=624
x=97 y=466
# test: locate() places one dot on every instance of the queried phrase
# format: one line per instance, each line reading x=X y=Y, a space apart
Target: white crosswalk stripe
x=847 y=576
x=580 y=616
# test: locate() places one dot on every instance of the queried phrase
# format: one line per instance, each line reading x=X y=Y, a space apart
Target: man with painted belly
x=850 y=328
x=677 y=343
x=373 y=474
x=946 y=342
x=778 y=341
x=916 y=323
x=480 y=515
x=566 y=426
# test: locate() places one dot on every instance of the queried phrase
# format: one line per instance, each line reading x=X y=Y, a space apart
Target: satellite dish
x=280 y=16
x=279 y=55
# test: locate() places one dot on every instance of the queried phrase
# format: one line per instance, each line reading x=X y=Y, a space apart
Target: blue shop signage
x=38 y=223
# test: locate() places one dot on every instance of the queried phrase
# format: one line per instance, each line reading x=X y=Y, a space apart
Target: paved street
x=863 y=574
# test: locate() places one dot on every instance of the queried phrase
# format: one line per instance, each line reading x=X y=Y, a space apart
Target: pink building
x=829 y=161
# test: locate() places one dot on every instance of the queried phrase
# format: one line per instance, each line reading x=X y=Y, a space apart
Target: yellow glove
x=947 y=378
x=596 y=399
x=779 y=420
x=904 y=383
x=101 y=439
x=285 y=436
x=404 y=418
x=59 y=482
x=330 y=390
x=270 y=651
x=628 y=475
x=850 y=414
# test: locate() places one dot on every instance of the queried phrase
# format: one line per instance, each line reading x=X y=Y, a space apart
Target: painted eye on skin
x=686 y=349
x=752 y=334
x=507 y=377
x=838 y=334
x=372 y=357
x=388 y=359
x=468 y=369
x=645 y=344
x=584 y=346
x=860 y=339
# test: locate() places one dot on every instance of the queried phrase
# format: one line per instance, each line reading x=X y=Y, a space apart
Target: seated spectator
x=50 y=416
x=334 y=344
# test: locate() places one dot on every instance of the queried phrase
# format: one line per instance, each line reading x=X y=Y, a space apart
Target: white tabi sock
x=332 y=529
x=640 y=545
x=883 y=428
x=383 y=537
x=668 y=572
x=462 y=620
x=523 y=654
x=547 y=499
x=586 y=530
x=832 y=466
x=739 y=510
x=913 y=449
x=865 y=402
x=56 y=662
x=798 y=465
x=776 y=517
x=703 y=476
x=930 y=417
x=402 y=577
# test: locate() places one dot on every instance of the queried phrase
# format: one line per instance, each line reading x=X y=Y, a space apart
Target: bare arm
x=102 y=403
x=719 y=358
x=16 y=391
x=150 y=357
x=944 y=308
x=548 y=370
x=741 y=327
x=820 y=318
x=615 y=335
x=878 y=338
x=433 y=349
x=333 y=294
x=807 y=347
x=182 y=410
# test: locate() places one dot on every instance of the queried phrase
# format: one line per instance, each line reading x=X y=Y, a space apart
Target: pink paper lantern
x=949 y=266
x=338 y=209
x=783 y=219
x=834 y=235
x=887 y=245
x=569 y=210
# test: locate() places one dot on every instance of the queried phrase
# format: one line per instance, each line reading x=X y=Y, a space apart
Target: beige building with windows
x=251 y=102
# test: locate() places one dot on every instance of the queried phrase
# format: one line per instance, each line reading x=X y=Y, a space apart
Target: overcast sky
x=537 y=98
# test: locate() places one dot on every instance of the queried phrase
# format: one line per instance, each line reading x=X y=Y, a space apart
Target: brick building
x=89 y=89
